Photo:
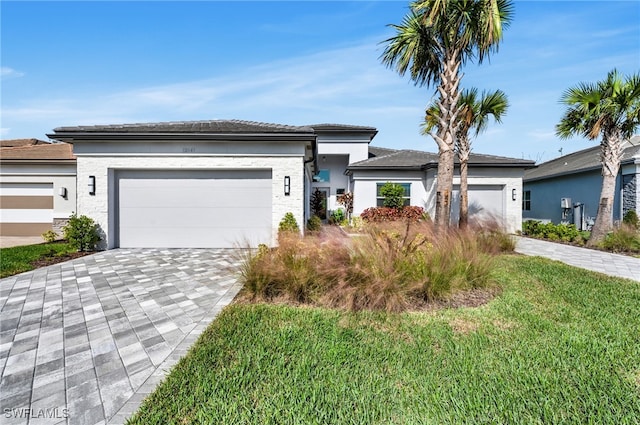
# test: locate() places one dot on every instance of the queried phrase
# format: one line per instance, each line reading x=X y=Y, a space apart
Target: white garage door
x=26 y=209
x=485 y=202
x=193 y=209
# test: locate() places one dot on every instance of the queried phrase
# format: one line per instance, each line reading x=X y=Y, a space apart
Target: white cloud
x=6 y=73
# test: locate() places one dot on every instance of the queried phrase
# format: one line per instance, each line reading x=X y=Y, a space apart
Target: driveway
x=83 y=342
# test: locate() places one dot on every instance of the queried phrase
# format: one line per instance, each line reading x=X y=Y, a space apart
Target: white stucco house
x=37 y=186
x=228 y=183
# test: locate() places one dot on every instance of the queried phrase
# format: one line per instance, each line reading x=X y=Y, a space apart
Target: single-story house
x=227 y=183
x=37 y=186
x=567 y=189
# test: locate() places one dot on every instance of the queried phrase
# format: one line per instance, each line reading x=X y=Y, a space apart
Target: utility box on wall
x=565 y=202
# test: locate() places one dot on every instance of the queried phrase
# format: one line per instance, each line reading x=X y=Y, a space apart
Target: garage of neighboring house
x=204 y=184
x=37 y=189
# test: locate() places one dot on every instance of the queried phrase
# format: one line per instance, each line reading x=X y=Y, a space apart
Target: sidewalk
x=604 y=262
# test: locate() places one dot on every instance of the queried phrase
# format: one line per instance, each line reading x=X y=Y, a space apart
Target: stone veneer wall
x=58 y=224
x=629 y=193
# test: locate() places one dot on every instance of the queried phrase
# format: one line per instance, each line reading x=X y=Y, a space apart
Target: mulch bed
x=50 y=260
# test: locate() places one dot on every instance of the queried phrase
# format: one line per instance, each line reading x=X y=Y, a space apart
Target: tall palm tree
x=474 y=115
x=433 y=41
x=611 y=109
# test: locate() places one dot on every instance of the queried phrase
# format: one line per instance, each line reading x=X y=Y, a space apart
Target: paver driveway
x=83 y=342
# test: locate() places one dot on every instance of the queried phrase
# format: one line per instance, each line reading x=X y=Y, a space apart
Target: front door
x=319 y=199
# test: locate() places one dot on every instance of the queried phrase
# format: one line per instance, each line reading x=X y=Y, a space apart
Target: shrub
x=386 y=214
x=393 y=195
x=346 y=200
x=554 y=232
x=81 y=233
x=314 y=224
x=318 y=204
x=49 y=236
x=337 y=216
x=631 y=219
x=623 y=239
x=392 y=267
x=288 y=224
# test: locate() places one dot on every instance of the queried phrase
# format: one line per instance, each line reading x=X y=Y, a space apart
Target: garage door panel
x=190 y=198
x=197 y=209
x=485 y=202
x=190 y=217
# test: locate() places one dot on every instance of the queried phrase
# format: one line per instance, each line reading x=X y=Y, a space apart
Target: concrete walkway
x=590 y=259
x=83 y=342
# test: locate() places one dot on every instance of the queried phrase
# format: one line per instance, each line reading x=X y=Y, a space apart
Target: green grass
x=559 y=345
x=19 y=259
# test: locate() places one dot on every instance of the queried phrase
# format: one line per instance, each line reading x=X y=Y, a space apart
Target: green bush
x=623 y=239
x=288 y=224
x=551 y=231
x=631 y=219
x=49 y=236
x=314 y=224
x=393 y=195
x=82 y=233
x=338 y=216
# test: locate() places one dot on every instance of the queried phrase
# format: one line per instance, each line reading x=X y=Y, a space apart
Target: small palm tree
x=434 y=40
x=611 y=109
x=474 y=115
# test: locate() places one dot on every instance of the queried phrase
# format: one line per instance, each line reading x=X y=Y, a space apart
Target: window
x=322 y=176
x=526 y=200
x=406 y=197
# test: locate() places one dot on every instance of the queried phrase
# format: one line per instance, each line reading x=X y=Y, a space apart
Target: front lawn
x=558 y=345
x=20 y=259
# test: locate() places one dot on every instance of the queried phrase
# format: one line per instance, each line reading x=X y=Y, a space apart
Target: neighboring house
x=37 y=186
x=577 y=178
x=229 y=183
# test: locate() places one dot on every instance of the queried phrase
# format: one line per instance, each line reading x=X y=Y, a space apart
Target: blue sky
x=84 y=63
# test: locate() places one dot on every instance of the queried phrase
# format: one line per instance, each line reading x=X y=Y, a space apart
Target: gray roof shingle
x=417 y=160
x=211 y=126
x=576 y=162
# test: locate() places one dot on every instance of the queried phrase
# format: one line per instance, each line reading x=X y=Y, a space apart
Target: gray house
x=567 y=189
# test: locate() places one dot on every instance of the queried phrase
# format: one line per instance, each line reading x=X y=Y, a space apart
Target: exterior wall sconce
x=62 y=191
x=92 y=185
x=287 y=185
x=513 y=195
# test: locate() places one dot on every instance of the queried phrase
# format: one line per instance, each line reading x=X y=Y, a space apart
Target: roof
x=342 y=128
x=379 y=151
x=212 y=126
x=420 y=160
x=578 y=162
x=14 y=143
x=36 y=150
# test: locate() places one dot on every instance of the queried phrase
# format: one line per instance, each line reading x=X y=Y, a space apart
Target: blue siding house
x=567 y=189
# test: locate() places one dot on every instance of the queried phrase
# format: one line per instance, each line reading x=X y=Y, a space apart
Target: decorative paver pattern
x=83 y=342
x=604 y=262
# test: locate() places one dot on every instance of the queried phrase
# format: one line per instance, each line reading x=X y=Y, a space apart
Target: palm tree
x=474 y=115
x=611 y=109
x=434 y=40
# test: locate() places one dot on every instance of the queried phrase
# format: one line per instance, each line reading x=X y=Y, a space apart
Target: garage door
x=26 y=209
x=485 y=202
x=193 y=209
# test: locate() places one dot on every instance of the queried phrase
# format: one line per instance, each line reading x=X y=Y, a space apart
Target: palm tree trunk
x=463 y=154
x=448 y=104
x=610 y=156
